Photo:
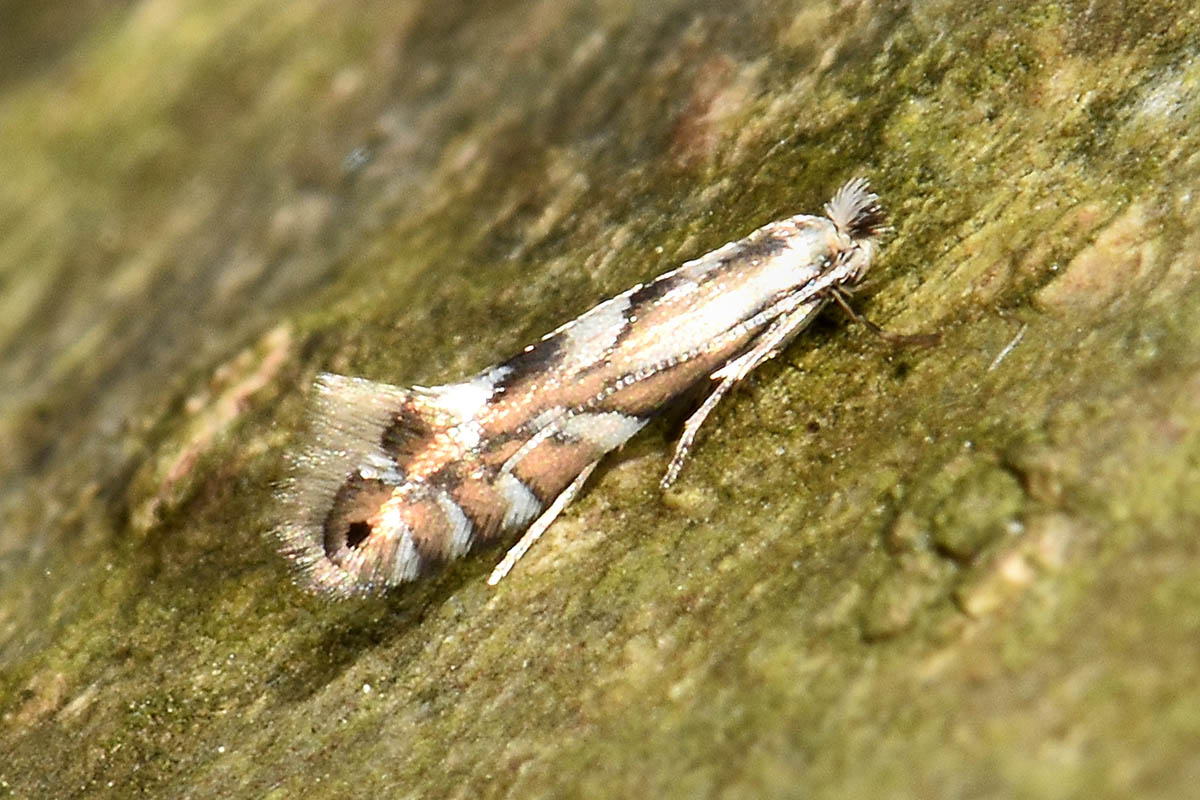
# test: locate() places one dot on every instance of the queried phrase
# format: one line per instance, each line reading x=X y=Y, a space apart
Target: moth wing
x=361 y=433
x=563 y=447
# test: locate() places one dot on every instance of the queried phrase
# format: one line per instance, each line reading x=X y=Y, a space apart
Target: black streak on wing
x=655 y=290
x=407 y=433
x=533 y=360
x=759 y=246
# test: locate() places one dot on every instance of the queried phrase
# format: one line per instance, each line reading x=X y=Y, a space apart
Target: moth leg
x=906 y=339
x=766 y=347
x=540 y=525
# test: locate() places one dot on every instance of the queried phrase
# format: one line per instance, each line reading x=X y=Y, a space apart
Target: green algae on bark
x=902 y=572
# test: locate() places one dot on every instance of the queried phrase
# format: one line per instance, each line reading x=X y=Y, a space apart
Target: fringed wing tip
x=317 y=574
x=856 y=211
x=299 y=541
x=347 y=418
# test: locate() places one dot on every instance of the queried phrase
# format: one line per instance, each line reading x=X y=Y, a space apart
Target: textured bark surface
x=971 y=570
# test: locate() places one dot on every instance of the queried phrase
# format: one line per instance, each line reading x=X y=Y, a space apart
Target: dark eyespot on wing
x=357 y=533
x=354 y=515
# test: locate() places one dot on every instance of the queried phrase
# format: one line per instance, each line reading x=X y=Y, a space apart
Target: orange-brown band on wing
x=438 y=527
x=549 y=467
x=483 y=503
x=353 y=517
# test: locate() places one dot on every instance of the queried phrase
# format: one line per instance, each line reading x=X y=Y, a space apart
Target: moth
x=394 y=481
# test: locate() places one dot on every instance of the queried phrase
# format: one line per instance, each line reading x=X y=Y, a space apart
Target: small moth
x=394 y=481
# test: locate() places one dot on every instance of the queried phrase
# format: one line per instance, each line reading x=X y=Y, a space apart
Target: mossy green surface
x=969 y=570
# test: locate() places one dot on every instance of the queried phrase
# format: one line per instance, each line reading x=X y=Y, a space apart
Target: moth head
x=856 y=211
x=859 y=218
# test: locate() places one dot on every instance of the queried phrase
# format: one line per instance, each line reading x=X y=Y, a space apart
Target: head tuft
x=855 y=210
